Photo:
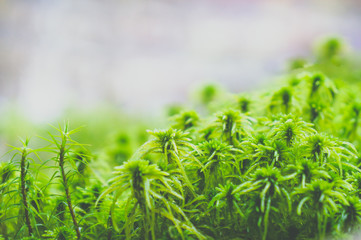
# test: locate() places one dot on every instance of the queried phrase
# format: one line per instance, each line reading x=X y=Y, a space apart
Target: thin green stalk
x=265 y=219
x=3 y=227
x=110 y=226
x=23 y=171
x=324 y=227
x=139 y=196
x=145 y=223
x=229 y=137
x=321 y=225
x=65 y=184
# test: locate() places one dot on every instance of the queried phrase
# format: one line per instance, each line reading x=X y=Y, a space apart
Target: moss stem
x=66 y=187
x=24 y=192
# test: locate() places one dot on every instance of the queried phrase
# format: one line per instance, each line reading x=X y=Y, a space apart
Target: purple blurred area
x=143 y=54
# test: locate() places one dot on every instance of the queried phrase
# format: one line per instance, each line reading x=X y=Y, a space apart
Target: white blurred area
x=143 y=54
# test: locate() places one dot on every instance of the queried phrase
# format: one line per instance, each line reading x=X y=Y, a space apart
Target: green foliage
x=278 y=164
x=186 y=120
x=231 y=124
x=150 y=196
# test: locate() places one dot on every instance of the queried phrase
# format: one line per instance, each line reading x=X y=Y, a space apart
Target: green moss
x=275 y=164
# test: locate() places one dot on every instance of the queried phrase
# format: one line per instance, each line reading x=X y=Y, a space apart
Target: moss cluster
x=271 y=164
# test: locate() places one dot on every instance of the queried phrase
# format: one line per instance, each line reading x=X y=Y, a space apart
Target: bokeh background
x=140 y=55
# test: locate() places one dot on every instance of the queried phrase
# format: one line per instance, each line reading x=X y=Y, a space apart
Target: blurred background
x=139 y=55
